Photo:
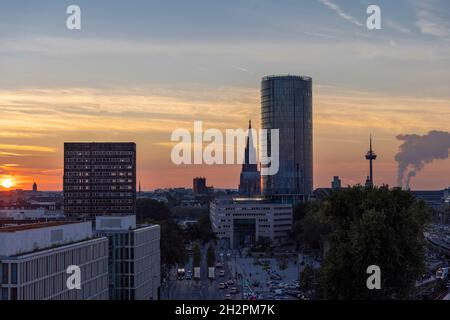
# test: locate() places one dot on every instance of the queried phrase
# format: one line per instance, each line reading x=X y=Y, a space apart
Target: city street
x=248 y=278
x=203 y=289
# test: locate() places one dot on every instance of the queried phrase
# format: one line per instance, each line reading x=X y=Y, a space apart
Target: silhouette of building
x=99 y=179
x=199 y=186
x=35 y=188
x=371 y=156
x=336 y=183
x=286 y=105
x=250 y=179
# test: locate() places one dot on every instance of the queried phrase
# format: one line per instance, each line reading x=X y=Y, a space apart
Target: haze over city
x=136 y=73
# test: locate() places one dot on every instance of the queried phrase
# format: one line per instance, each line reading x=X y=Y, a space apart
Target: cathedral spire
x=250 y=177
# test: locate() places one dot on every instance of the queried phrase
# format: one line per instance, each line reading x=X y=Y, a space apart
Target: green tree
x=282 y=263
x=211 y=256
x=371 y=226
x=148 y=209
x=311 y=230
x=173 y=250
x=307 y=278
x=201 y=231
x=307 y=230
x=196 y=255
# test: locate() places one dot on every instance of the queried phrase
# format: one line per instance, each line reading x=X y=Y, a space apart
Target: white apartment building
x=134 y=261
x=29 y=213
x=35 y=256
x=243 y=221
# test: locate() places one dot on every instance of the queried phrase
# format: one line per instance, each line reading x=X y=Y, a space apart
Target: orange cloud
x=36 y=122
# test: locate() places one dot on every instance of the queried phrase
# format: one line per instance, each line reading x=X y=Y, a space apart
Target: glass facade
x=134 y=263
x=286 y=104
x=43 y=275
x=244 y=232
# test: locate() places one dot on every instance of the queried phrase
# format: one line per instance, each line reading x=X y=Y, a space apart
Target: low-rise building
x=134 y=260
x=433 y=198
x=243 y=221
x=35 y=257
x=30 y=212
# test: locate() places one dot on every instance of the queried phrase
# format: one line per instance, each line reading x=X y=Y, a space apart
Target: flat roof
x=20 y=225
x=286 y=77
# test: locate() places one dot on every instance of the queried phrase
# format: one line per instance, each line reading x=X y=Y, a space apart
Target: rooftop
x=286 y=77
x=22 y=225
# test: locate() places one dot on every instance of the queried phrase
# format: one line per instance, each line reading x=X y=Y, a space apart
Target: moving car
x=180 y=273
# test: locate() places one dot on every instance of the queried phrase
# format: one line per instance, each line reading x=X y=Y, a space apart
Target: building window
x=5 y=273
x=14 y=273
x=13 y=293
x=4 y=293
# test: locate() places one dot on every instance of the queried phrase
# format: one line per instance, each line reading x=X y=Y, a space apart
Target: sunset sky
x=137 y=70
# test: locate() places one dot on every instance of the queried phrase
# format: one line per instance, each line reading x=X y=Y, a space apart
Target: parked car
x=222 y=285
x=230 y=282
x=293 y=293
x=227 y=297
x=255 y=283
x=234 y=290
x=279 y=292
x=221 y=273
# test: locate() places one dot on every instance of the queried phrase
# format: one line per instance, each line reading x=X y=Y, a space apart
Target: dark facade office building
x=199 y=186
x=99 y=179
x=286 y=104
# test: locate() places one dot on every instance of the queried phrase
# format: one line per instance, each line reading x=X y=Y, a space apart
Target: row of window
x=105 y=209
x=98 y=201
x=99 y=180
x=98 y=174
x=43 y=266
x=99 y=153
x=79 y=195
x=97 y=160
x=97 y=167
x=97 y=188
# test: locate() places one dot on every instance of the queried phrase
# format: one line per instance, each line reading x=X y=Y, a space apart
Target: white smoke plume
x=416 y=151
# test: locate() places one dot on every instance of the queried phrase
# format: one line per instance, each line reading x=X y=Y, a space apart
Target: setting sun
x=7 y=183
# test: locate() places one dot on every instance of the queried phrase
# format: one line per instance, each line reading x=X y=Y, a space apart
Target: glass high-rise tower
x=286 y=104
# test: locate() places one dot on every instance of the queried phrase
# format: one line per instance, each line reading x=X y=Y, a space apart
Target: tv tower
x=371 y=155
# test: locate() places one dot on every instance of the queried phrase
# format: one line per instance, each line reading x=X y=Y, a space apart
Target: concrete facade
x=134 y=261
x=34 y=260
x=242 y=222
